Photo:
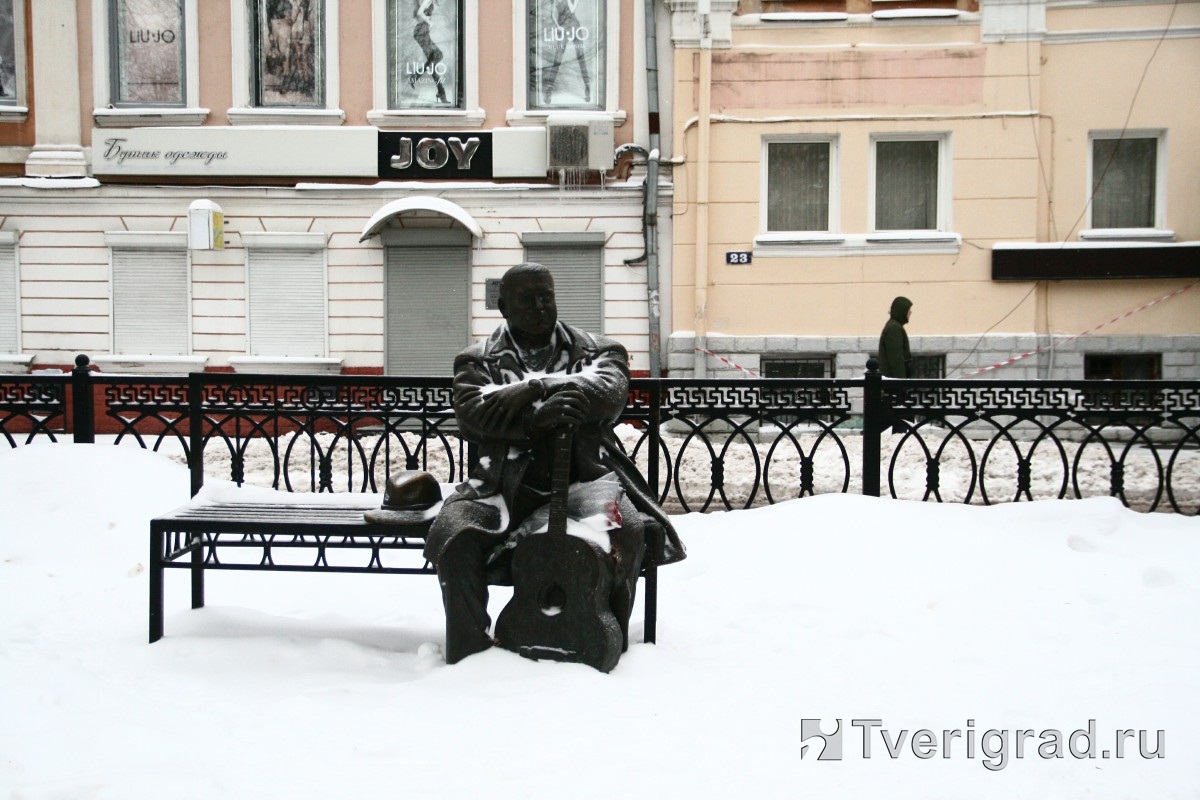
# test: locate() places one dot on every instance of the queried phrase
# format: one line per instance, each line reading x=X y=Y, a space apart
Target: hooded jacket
x=895 y=358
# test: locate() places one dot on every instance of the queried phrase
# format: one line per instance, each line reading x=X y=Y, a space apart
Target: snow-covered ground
x=973 y=623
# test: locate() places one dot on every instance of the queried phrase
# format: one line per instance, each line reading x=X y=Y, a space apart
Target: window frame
x=105 y=113
x=838 y=243
x=470 y=115
x=945 y=182
x=1121 y=362
x=1158 y=230
x=16 y=110
x=833 y=197
x=244 y=110
x=522 y=114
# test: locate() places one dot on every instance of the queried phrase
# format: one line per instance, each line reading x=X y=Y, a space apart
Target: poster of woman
x=566 y=53
x=290 y=34
x=426 y=54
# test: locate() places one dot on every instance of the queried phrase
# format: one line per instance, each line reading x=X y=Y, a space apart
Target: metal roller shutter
x=150 y=302
x=287 y=302
x=9 y=323
x=428 y=308
x=578 y=281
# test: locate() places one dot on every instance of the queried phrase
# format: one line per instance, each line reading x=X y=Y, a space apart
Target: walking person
x=895 y=356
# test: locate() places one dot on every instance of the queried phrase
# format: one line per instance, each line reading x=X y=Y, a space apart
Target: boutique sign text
x=453 y=156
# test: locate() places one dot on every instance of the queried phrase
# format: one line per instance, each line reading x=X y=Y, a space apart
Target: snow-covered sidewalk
x=1049 y=616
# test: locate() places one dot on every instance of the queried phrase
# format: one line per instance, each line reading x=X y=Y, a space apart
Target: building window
x=150 y=300
x=8 y=54
x=147 y=60
x=800 y=180
x=567 y=45
x=908 y=184
x=147 y=69
x=286 y=290
x=1126 y=181
x=928 y=366
x=1122 y=366
x=288 y=42
x=12 y=61
x=285 y=62
x=797 y=366
x=425 y=54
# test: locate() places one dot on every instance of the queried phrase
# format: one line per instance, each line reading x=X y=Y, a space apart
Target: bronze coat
x=597 y=365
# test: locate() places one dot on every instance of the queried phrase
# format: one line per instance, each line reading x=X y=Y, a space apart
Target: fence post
x=874 y=416
x=653 y=441
x=195 y=396
x=83 y=409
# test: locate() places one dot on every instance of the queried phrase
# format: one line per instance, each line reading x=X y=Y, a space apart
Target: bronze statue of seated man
x=533 y=377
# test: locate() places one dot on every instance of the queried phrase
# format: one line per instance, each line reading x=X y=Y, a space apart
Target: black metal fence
x=704 y=444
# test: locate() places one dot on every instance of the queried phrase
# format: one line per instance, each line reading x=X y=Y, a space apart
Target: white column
x=59 y=149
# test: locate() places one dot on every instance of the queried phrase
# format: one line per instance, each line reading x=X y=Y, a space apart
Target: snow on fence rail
x=718 y=444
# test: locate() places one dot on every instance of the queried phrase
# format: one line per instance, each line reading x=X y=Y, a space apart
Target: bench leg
x=651 y=624
x=196 y=544
x=156 y=585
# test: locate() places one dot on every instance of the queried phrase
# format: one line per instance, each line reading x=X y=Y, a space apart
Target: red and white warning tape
x=1091 y=330
x=725 y=360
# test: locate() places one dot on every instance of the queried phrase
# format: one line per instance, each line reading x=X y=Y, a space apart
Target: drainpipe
x=650 y=194
x=700 y=363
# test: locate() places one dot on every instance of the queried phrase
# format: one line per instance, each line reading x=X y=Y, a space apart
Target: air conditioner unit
x=579 y=143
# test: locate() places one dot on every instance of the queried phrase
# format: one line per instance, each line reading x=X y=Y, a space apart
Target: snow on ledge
x=51 y=183
x=149 y=364
x=804 y=16
x=916 y=13
x=1127 y=234
x=800 y=243
x=286 y=365
x=15 y=363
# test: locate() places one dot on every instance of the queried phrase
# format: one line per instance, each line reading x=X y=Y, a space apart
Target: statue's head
x=527 y=299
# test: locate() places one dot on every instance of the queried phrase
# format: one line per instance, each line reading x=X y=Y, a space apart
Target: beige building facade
x=1027 y=173
x=319 y=185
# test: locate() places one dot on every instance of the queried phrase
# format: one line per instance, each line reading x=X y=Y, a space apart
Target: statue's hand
x=506 y=404
x=567 y=406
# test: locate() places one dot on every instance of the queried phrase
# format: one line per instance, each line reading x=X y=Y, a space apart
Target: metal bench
x=307 y=537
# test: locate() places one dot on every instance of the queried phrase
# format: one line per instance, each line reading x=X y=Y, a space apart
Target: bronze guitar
x=561 y=584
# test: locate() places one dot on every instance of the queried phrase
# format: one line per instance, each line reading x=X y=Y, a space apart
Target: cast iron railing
x=703 y=444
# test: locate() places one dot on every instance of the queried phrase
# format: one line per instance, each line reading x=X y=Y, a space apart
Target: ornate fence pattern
x=703 y=444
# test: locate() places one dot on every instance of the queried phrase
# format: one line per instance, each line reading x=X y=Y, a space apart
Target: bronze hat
x=408 y=497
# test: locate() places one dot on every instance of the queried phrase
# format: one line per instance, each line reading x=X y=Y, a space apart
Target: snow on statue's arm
x=603 y=378
x=472 y=386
